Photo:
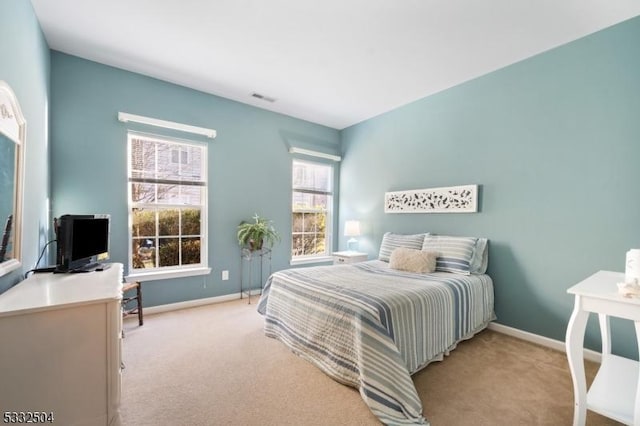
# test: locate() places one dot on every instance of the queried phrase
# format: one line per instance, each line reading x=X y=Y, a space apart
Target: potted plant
x=254 y=235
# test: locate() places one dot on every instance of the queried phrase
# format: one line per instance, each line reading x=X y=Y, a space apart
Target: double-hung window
x=167 y=204
x=312 y=210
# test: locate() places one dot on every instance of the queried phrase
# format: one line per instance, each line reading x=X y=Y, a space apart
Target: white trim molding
x=193 y=303
x=163 y=275
x=14 y=126
x=310 y=260
x=126 y=118
x=302 y=151
x=557 y=345
x=11 y=118
x=8 y=266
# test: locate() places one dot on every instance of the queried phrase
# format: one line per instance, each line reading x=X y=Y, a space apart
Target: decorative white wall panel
x=452 y=199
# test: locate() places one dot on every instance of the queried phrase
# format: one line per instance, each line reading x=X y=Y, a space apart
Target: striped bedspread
x=371 y=327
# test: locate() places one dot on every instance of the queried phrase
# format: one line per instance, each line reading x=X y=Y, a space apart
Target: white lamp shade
x=352 y=228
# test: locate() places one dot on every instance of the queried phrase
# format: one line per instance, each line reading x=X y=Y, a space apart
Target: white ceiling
x=333 y=62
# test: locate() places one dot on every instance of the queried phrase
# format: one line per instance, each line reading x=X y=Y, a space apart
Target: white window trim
x=319 y=258
x=126 y=117
x=306 y=260
x=169 y=272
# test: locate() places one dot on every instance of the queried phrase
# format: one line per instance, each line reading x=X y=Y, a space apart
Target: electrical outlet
x=225 y=275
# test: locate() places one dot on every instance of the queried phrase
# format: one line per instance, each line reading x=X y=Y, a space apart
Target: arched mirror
x=12 y=140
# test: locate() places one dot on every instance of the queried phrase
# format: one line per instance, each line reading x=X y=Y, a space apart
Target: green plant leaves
x=251 y=234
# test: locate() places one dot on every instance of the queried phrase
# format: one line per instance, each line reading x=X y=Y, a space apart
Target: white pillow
x=412 y=260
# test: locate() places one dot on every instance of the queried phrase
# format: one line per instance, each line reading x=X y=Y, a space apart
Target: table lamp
x=351 y=229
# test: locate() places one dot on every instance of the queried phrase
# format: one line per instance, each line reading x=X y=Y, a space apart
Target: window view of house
x=167 y=200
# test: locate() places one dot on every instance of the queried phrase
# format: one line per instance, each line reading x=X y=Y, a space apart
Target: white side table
x=615 y=392
x=340 y=257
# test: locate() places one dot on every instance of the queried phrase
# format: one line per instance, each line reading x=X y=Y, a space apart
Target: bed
x=371 y=326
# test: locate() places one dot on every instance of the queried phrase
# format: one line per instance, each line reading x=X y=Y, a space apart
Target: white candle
x=632 y=269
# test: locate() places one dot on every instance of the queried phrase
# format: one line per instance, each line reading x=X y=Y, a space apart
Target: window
x=180 y=155
x=167 y=204
x=312 y=206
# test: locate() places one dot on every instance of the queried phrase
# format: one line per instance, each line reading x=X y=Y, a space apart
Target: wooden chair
x=126 y=300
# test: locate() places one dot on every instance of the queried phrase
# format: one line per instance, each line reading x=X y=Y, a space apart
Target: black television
x=82 y=242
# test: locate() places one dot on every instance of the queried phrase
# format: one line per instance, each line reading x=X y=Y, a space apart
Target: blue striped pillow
x=391 y=242
x=454 y=253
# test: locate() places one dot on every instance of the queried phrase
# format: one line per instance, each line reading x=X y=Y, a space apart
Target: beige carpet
x=212 y=365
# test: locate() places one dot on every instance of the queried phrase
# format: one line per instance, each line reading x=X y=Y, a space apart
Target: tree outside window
x=312 y=200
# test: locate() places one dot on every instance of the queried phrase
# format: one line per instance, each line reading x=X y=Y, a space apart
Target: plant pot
x=255 y=245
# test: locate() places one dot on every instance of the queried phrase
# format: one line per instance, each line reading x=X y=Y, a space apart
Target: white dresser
x=60 y=347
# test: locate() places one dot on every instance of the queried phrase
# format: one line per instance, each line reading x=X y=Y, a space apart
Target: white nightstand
x=614 y=391
x=340 y=257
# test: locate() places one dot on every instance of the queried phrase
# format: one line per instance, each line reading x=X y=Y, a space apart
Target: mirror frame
x=14 y=127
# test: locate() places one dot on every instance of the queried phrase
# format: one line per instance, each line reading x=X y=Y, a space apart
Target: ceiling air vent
x=263 y=97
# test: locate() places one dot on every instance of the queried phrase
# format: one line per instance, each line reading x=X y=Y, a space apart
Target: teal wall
x=25 y=67
x=554 y=142
x=249 y=163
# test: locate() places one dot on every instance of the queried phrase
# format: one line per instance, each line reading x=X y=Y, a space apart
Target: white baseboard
x=197 y=302
x=541 y=340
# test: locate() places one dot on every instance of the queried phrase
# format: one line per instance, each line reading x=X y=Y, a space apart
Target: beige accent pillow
x=412 y=260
